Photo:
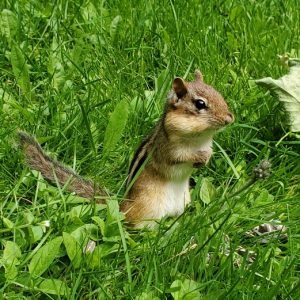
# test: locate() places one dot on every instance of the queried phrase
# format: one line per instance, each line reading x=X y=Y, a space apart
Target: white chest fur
x=175 y=197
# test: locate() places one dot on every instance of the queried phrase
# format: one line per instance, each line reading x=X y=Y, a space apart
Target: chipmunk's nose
x=229 y=118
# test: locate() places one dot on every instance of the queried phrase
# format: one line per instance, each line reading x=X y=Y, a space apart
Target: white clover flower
x=45 y=224
x=90 y=247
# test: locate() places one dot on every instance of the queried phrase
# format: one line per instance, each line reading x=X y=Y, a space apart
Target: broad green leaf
x=24 y=279
x=26 y=113
x=162 y=83
x=264 y=197
x=28 y=217
x=100 y=222
x=81 y=211
x=52 y=57
x=114 y=26
x=7 y=223
x=89 y=12
x=113 y=211
x=8 y=24
x=10 y=259
x=287 y=89
x=54 y=286
x=115 y=127
x=109 y=248
x=146 y=296
x=185 y=290
x=76 y=54
x=44 y=257
x=214 y=295
x=85 y=232
x=20 y=237
x=151 y=104
x=35 y=233
x=20 y=70
x=5 y=97
x=74 y=250
x=94 y=258
x=111 y=228
x=207 y=191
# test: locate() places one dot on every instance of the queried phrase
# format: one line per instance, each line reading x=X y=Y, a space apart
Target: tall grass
x=68 y=69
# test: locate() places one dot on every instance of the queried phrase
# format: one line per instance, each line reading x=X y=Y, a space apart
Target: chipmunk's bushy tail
x=54 y=171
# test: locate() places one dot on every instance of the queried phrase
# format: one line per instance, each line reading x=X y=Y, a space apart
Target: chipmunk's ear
x=179 y=87
x=198 y=75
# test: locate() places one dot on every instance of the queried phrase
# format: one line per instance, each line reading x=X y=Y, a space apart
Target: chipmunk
x=158 y=180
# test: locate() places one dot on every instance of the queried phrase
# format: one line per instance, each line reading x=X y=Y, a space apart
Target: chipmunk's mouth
x=217 y=126
x=220 y=124
x=223 y=121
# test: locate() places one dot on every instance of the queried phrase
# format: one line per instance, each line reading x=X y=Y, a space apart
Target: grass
x=65 y=66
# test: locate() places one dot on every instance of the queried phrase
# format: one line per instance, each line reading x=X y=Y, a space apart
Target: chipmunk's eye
x=200 y=104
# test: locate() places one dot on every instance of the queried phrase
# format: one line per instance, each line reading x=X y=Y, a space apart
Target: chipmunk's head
x=194 y=108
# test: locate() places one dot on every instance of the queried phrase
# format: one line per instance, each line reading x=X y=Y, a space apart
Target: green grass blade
x=20 y=70
x=115 y=127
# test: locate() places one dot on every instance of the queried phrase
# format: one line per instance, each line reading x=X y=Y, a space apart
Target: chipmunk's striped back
x=142 y=153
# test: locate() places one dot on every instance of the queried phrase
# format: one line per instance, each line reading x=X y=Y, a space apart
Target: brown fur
x=181 y=127
x=181 y=140
x=54 y=171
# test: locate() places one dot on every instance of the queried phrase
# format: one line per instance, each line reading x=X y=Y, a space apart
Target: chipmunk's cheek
x=183 y=124
x=198 y=125
x=175 y=122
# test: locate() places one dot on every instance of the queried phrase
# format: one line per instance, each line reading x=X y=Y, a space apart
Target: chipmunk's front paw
x=202 y=159
x=198 y=165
